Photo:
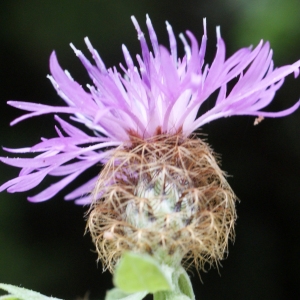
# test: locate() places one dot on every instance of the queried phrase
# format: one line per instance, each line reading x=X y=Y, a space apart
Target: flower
x=162 y=94
x=161 y=190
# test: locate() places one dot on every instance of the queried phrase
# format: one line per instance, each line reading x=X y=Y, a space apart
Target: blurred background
x=43 y=247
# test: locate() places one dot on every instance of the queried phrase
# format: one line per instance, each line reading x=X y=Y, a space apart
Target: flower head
x=165 y=196
x=161 y=191
x=162 y=94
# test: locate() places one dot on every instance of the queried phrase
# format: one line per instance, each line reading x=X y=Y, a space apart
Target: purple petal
x=160 y=91
x=53 y=189
x=83 y=190
x=24 y=183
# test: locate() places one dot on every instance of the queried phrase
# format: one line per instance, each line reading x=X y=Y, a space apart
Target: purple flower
x=162 y=94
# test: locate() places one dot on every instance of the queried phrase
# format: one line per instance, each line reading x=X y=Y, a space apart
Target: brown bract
x=165 y=196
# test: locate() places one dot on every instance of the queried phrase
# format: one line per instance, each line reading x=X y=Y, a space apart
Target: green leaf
x=180 y=297
x=116 y=294
x=22 y=294
x=170 y=296
x=9 y=297
x=185 y=284
x=137 y=273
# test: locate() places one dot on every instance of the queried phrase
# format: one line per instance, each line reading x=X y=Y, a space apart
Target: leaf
x=9 y=297
x=185 y=285
x=137 y=273
x=170 y=296
x=116 y=294
x=22 y=294
x=180 y=297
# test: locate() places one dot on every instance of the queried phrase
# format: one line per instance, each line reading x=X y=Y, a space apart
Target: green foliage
x=185 y=285
x=139 y=274
x=136 y=273
x=8 y=297
x=18 y=293
x=136 y=276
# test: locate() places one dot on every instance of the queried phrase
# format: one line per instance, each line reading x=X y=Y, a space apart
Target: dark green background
x=42 y=245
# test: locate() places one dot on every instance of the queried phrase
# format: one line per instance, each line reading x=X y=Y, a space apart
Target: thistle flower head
x=159 y=188
x=165 y=196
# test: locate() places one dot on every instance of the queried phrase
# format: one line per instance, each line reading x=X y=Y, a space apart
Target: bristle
x=166 y=196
